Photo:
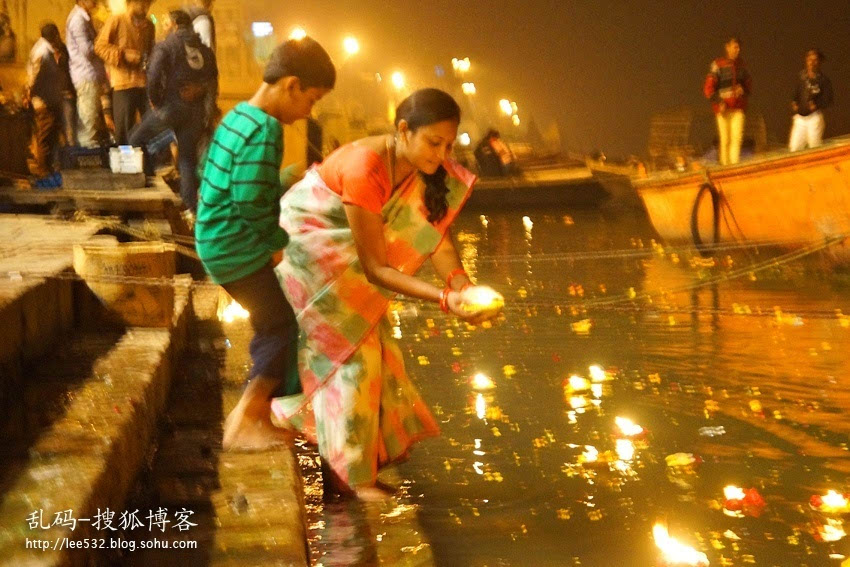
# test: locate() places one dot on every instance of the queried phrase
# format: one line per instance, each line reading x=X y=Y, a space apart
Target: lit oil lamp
x=674 y=552
x=575 y=384
x=482 y=382
x=739 y=502
x=830 y=503
x=482 y=298
x=597 y=373
x=628 y=427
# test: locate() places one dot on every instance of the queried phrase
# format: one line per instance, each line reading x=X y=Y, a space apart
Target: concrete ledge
x=89 y=458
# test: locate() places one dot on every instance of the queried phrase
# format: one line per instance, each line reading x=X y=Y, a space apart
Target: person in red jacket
x=728 y=85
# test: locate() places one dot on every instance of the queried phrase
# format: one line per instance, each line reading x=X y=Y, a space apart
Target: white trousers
x=806 y=131
x=730 y=127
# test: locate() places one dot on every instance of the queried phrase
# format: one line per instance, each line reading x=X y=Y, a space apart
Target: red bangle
x=444 y=300
x=453 y=274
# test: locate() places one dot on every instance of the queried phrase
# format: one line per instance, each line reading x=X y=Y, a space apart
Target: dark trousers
x=187 y=122
x=126 y=105
x=47 y=125
x=274 y=348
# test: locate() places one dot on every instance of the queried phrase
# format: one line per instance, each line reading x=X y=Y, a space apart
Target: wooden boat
x=544 y=187
x=786 y=200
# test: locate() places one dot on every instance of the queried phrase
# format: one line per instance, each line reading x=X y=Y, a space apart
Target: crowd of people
x=117 y=86
x=728 y=86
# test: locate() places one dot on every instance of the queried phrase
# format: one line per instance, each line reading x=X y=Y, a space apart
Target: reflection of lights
x=733 y=493
x=596 y=389
x=478 y=452
x=628 y=427
x=262 y=29
x=515 y=120
x=480 y=406
x=482 y=298
x=351 y=45
x=468 y=89
x=398 y=80
x=484 y=221
x=232 y=312
x=625 y=449
x=298 y=34
x=527 y=223
x=578 y=402
x=477 y=465
x=464 y=139
x=833 y=530
x=482 y=382
x=590 y=454
x=506 y=107
x=578 y=384
x=675 y=552
x=597 y=374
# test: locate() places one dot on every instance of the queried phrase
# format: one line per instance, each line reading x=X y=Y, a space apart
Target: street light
x=351 y=45
x=398 y=80
x=468 y=88
x=460 y=66
x=515 y=120
x=298 y=34
x=506 y=107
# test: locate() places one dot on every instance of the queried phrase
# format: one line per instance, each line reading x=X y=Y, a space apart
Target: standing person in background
x=88 y=75
x=812 y=95
x=182 y=82
x=125 y=44
x=728 y=86
x=203 y=22
x=45 y=82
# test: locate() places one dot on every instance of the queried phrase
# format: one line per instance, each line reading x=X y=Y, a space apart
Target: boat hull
x=788 y=199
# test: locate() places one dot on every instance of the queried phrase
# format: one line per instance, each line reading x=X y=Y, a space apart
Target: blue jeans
x=187 y=122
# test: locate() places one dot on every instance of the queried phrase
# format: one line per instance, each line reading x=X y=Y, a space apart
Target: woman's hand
x=476 y=303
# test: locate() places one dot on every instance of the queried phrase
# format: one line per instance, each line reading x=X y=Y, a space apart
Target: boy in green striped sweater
x=237 y=230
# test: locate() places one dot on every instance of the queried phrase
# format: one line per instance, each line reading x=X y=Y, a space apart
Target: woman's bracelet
x=444 y=299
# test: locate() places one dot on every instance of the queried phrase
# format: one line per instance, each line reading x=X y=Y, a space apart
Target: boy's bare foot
x=249 y=425
x=247 y=432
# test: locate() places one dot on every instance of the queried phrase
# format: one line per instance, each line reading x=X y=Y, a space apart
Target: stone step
x=249 y=506
x=88 y=458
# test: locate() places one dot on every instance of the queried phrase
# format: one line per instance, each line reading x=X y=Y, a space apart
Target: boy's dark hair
x=302 y=58
x=180 y=18
x=50 y=32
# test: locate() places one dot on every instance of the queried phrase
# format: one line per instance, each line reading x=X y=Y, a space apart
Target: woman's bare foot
x=249 y=425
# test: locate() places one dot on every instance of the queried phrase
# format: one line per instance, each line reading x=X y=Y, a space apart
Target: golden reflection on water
x=608 y=421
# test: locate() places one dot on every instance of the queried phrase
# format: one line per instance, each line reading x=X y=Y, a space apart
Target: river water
x=742 y=382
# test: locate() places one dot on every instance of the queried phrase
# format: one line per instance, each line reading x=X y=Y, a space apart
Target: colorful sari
x=357 y=404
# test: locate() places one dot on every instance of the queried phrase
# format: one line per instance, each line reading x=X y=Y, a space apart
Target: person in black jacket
x=812 y=94
x=182 y=87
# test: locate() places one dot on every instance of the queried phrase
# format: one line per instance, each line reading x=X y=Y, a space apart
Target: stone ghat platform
x=95 y=418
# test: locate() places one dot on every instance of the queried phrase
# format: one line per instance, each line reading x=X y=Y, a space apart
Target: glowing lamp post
x=506 y=107
x=468 y=89
x=298 y=34
x=351 y=46
x=398 y=80
x=461 y=66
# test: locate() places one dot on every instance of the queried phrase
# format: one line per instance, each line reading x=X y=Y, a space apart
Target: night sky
x=600 y=69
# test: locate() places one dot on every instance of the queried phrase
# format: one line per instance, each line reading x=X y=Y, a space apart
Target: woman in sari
x=361 y=225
